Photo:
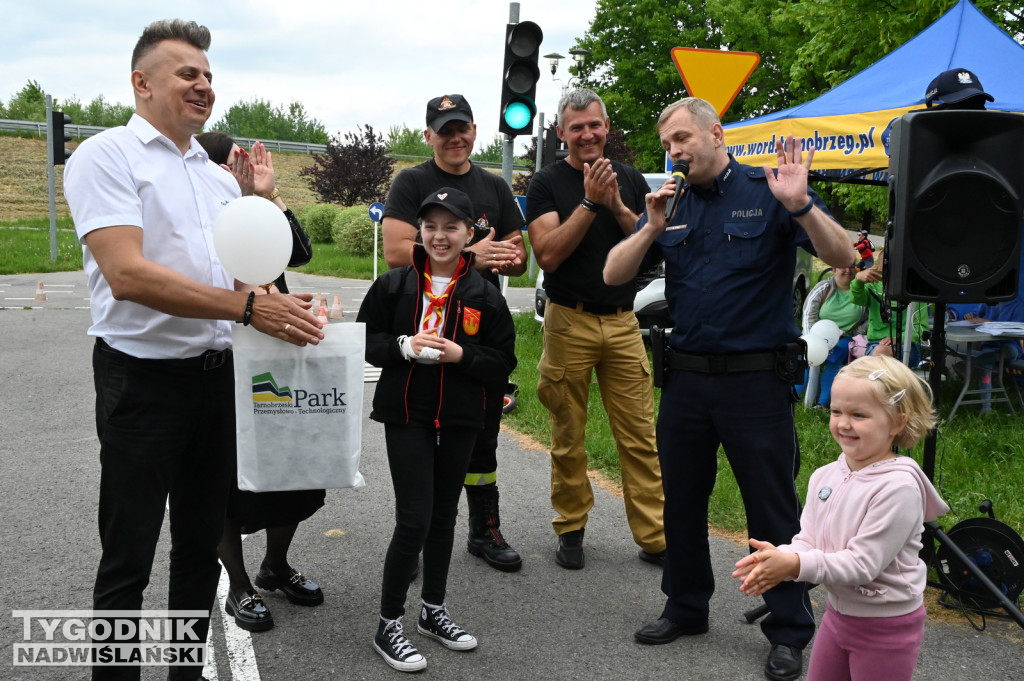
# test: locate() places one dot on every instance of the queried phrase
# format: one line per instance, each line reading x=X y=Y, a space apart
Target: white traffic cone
x=336 y=311
x=322 y=317
x=40 y=293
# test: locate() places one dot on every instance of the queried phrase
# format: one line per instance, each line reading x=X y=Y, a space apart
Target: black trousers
x=484 y=460
x=427 y=474
x=751 y=415
x=167 y=437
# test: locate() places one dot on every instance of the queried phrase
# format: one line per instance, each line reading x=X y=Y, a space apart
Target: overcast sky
x=350 y=62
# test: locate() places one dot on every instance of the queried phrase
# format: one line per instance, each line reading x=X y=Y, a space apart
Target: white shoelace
x=441 y=618
x=396 y=636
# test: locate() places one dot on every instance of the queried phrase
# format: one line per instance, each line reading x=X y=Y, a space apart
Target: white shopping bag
x=299 y=411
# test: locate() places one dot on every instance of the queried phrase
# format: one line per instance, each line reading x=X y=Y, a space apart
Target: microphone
x=679 y=170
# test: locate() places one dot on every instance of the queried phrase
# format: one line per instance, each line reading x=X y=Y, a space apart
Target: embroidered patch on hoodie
x=470 y=321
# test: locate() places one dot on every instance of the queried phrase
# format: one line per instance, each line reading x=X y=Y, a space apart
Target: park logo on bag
x=270 y=398
x=470 y=321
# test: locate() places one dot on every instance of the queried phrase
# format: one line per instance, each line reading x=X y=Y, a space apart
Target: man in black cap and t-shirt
x=498 y=245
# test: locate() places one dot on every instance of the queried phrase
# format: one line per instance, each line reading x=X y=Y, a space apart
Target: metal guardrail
x=39 y=128
x=83 y=131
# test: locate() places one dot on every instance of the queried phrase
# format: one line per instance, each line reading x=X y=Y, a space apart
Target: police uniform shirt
x=493 y=202
x=133 y=175
x=730 y=254
x=580 y=278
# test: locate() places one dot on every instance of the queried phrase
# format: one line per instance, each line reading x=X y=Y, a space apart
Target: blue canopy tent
x=850 y=123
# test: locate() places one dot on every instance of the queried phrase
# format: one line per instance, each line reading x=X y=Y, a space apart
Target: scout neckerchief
x=437 y=302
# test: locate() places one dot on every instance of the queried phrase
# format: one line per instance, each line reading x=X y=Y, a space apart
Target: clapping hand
x=263 y=169
x=242 y=168
x=499 y=256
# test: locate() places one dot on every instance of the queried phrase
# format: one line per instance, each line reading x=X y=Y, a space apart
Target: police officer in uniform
x=729 y=249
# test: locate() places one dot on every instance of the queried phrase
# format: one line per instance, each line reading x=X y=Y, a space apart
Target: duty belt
x=722 y=364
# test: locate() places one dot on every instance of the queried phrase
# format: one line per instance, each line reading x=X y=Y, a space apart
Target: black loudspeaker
x=956 y=199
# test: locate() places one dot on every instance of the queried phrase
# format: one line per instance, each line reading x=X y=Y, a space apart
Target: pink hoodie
x=860 y=535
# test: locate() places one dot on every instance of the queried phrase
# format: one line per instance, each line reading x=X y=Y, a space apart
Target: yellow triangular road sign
x=714 y=75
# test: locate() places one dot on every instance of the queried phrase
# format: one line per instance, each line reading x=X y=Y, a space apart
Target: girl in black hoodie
x=439 y=332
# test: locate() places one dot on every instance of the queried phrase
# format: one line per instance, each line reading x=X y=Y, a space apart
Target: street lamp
x=579 y=56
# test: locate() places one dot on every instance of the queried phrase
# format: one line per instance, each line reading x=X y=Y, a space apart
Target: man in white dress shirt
x=144 y=198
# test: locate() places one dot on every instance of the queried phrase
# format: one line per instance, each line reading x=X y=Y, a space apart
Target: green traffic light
x=518 y=115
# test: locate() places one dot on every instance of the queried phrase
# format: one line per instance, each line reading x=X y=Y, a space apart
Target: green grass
x=329 y=261
x=977 y=458
x=26 y=247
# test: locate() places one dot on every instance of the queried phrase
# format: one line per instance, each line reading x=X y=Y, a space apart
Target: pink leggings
x=850 y=648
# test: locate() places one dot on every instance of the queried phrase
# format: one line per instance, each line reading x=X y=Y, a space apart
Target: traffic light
x=552 y=150
x=59 y=137
x=519 y=78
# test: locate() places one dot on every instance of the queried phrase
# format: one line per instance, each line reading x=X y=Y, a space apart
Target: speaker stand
x=933 y=531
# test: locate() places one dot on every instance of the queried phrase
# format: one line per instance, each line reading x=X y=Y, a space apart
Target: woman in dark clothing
x=277 y=512
x=439 y=332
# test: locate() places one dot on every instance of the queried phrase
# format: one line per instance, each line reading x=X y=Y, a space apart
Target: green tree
x=29 y=104
x=407 y=142
x=262 y=120
x=97 y=112
x=849 y=36
x=492 y=152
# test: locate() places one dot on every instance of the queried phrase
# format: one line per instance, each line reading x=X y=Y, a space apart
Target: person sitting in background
x=866 y=290
x=988 y=354
x=278 y=512
x=831 y=299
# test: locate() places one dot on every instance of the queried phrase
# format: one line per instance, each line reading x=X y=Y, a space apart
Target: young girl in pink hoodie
x=860 y=531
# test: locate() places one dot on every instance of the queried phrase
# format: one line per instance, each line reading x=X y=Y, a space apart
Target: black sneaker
x=395 y=648
x=435 y=623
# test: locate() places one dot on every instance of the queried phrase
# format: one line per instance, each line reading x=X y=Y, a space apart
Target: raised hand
x=789 y=183
x=241 y=167
x=264 y=180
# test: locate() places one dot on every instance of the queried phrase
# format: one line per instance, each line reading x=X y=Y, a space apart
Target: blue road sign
x=377 y=211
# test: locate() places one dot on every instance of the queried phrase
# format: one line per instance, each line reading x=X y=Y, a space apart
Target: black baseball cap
x=454 y=201
x=445 y=108
x=954 y=85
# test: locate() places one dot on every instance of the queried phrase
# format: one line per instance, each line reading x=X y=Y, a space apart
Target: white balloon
x=253 y=240
x=827 y=330
x=817 y=350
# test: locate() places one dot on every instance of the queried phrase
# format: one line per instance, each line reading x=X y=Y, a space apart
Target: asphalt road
x=541 y=623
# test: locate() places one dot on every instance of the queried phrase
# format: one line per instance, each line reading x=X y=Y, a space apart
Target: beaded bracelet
x=247 y=317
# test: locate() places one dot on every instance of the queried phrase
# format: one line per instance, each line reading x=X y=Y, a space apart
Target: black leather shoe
x=666 y=631
x=785 y=663
x=297 y=589
x=569 y=553
x=653 y=558
x=250 y=612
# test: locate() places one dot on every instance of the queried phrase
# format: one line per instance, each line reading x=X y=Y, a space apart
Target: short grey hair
x=190 y=32
x=704 y=114
x=578 y=100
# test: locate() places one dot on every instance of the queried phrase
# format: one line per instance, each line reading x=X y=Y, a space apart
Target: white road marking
x=241 y=655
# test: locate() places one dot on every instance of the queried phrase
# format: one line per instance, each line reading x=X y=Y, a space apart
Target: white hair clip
x=877 y=374
x=897 y=397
